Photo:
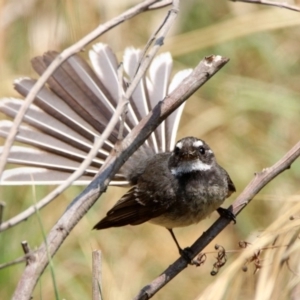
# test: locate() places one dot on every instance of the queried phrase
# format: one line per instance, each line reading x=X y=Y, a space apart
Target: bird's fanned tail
x=76 y=105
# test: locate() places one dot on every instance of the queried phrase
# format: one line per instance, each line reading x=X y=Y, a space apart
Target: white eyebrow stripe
x=197 y=144
x=179 y=145
x=190 y=166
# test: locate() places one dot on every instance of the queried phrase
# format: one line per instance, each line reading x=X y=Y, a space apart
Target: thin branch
x=25 y=247
x=204 y=71
x=57 y=62
x=15 y=261
x=264 y=177
x=160 y=4
x=120 y=97
x=162 y=28
x=97 y=274
x=28 y=257
x=270 y=3
x=260 y=180
x=27 y=251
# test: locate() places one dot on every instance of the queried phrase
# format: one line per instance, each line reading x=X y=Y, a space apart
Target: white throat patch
x=190 y=166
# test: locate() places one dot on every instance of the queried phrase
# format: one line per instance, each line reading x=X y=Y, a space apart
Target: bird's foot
x=226 y=213
x=187 y=255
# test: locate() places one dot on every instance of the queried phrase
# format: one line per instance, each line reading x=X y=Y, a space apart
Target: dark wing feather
x=134 y=208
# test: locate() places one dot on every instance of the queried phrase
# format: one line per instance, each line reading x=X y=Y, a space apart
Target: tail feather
x=160 y=71
x=32 y=137
x=172 y=122
x=105 y=65
x=29 y=176
x=38 y=158
x=54 y=106
x=139 y=102
x=50 y=102
x=63 y=84
x=50 y=126
x=76 y=106
x=42 y=176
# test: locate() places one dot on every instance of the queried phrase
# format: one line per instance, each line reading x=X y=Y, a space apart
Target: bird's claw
x=226 y=213
x=187 y=255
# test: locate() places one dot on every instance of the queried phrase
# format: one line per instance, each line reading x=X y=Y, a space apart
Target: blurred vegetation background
x=248 y=113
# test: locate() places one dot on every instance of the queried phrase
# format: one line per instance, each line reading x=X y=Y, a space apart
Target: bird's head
x=191 y=155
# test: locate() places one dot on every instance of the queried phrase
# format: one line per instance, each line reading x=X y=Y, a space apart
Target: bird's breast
x=196 y=198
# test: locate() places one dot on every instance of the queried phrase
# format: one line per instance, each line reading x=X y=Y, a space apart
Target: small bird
x=172 y=189
x=172 y=185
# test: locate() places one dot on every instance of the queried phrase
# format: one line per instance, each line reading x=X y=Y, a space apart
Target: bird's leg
x=185 y=253
x=226 y=213
x=175 y=240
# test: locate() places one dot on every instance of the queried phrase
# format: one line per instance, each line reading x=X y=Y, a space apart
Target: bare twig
x=25 y=247
x=15 y=261
x=97 y=274
x=120 y=96
x=271 y=3
x=57 y=62
x=260 y=180
x=26 y=250
x=205 y=70
x=162 y=28
x=160 y=4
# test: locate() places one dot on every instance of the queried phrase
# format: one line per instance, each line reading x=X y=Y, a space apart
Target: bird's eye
x=201 y=150
x=176 y=150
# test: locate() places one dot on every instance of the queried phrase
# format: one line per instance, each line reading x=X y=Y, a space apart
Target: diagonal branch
x=271 y=3
x=204 y=71
x=258 y=182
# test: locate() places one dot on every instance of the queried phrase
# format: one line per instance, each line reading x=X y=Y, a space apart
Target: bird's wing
x=135 y=207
